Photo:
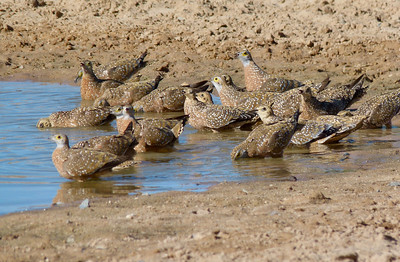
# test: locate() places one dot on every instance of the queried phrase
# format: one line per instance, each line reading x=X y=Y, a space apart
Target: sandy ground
x=340 y=217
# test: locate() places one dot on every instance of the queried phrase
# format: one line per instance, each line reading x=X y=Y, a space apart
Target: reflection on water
x=28 y=178
x=73 y=191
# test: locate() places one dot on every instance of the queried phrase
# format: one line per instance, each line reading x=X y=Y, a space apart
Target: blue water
x=28 y=179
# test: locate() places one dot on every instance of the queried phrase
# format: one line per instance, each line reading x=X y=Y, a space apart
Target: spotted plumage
x=258 y=79
x=78 y=117
x=327 y=129
x=343 y=96
x=129 y=92
x=120 y=70
x=150 y=132
x=330 y=101
x=120 y=145
x=215 y=117
x=93 y=87
x=287 y=103
x=165 y=99
x=267 y=140
x=230 y=96
x=379 y=110
x=79 y=164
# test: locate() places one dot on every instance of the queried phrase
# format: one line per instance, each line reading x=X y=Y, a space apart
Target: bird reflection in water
x=277 y=168
x=75 y=191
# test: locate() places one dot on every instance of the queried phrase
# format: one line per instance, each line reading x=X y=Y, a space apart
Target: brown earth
x=344 y=217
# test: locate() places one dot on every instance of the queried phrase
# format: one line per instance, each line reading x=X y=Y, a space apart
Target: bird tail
x=177 y=130
x=140 y=61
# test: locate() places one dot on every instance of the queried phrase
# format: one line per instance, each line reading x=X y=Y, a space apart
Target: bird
x=80 y=164
x=129 y=92
x=215 y=117
x=268 y=139
x=93 y=87
x=327 y=129
x=330 y=101
x=267 y=114
x=287 y=103
x=120 y=144
x=150 y=132
x=120 y=70
x=343 y=96
x=167 y=99
x=379 y=110
x=78 y=117
x=230 y=96
x=257 y=79
x=311 y=107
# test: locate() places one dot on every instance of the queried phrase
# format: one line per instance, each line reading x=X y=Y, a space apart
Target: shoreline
x=342 y=213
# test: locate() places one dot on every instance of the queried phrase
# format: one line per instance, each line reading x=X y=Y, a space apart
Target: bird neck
x=62 y=146
x=89 y=75
x=252 y=70
x=246 y=63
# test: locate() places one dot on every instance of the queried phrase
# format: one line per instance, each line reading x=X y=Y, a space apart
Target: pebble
x=130 y=216
x=70 y=239
x=84 y=204
x=395 y=183
x=273 y=213
x=348 y=257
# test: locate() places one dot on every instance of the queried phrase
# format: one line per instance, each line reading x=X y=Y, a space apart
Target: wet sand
x=346 y=216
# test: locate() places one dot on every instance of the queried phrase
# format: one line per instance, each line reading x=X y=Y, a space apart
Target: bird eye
x=216 y=79
x=58 y=137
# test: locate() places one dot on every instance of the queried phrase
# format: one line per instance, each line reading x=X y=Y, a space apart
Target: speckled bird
x=167 y=99
x=267 y=115
x=78 y=117
x=287 y=103
x=267 y=140
x=258 y=79
x=311 y=107
x=230 y=96
x=93 y=87
x=379 y=110
x=120 y=145
x=330 y=101
x=150 y=132
x=80 y=164
x=327 y=129
x=120 y=70
x=343 y=96
x=129 y=92
x=215 y=117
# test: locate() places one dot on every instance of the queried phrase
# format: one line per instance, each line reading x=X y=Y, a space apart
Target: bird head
x=244 y=56
x=43 y=123
x=60 y=139
x=218 y=82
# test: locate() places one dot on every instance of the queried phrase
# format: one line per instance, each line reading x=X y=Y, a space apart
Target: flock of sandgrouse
x=277 y=110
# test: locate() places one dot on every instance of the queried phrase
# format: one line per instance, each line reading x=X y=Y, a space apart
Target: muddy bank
x=198 y=40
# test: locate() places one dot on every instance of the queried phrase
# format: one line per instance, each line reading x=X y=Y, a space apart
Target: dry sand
x=343 y=217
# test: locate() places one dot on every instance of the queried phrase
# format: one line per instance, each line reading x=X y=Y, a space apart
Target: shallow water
x=28 y=179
